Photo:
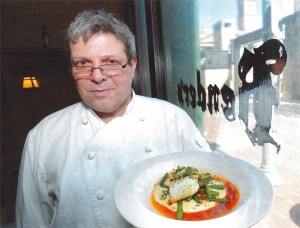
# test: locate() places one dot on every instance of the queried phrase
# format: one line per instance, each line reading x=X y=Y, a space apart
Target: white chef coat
x=72 y=160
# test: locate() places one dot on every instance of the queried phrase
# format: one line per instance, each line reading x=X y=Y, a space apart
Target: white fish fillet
x=183 y=188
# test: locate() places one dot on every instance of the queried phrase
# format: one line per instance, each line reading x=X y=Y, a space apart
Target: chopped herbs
x=164 y=195
x=185 y=171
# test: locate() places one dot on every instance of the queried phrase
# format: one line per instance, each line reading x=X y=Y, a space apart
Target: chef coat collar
x=97 y=123
x=130 y=105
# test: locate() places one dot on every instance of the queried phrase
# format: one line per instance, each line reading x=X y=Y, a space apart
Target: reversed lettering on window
x=271 y=56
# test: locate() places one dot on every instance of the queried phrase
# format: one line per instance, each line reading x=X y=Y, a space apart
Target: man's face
x=107 y=96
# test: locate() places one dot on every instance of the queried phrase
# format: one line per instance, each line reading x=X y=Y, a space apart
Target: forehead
x=97 y=39
x=98 y=44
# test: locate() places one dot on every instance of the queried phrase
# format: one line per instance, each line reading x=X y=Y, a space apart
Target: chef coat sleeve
x=32 y=200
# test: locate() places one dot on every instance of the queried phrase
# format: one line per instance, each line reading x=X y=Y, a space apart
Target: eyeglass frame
x=98 y=67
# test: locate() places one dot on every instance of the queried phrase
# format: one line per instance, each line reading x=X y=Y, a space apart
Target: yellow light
x=30 y=82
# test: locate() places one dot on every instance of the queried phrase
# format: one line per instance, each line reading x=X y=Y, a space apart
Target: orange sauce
x=219 y=210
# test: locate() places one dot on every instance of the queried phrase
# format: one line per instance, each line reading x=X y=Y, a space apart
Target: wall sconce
x=30 y=82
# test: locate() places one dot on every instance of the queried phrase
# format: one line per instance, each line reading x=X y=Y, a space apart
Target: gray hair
x=90 y=22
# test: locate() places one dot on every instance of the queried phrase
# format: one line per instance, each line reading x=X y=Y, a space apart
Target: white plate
x=133 y=190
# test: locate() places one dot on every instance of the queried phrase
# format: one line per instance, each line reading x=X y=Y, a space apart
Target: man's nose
x=97 y=75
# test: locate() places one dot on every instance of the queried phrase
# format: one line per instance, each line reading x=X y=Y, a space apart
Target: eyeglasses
x=109 y=70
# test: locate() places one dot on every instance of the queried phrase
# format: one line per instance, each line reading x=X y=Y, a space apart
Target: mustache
x=104 y=85
x=99 y=88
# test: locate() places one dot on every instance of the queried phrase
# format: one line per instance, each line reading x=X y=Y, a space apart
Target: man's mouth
x=100 y=92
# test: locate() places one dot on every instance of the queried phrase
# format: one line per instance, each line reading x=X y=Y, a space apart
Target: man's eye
x=112 y=61
x=80 y=63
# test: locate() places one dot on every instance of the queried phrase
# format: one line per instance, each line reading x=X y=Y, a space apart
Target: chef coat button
x=84 y=120
x=100 y=195
x=91 y=156
x=148 y=149
x=142 y=118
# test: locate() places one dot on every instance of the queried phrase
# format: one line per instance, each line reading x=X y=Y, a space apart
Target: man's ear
x=132 y=64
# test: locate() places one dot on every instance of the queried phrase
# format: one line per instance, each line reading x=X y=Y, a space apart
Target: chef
x=73 y=158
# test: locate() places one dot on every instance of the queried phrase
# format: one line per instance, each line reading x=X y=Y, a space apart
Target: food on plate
x=186 y=193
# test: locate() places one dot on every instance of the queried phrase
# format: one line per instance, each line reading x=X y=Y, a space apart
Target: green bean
x=164 y=186
x=207 y=192
x=162 y=181
x=197 y=199
x=200 y=182
x=179 y=214
x=214 y=193
x=219 y=200
x=189 y=198
x=207 y=177
x=180 y=170
x=216 y=186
